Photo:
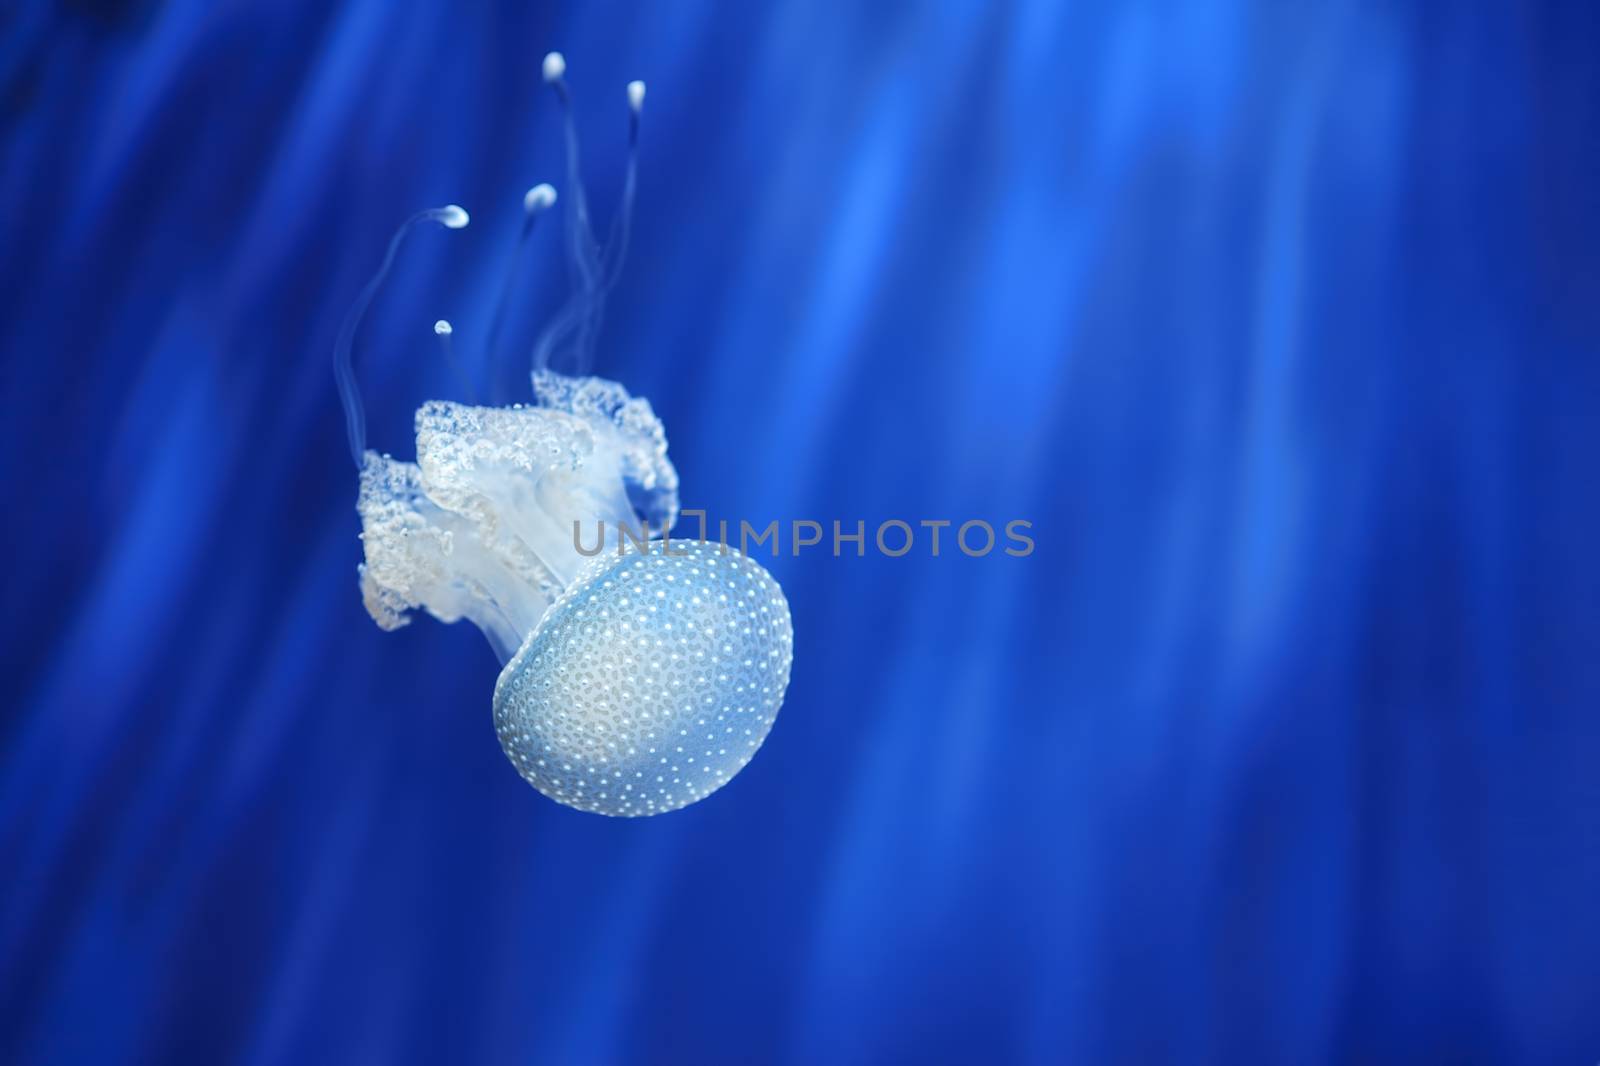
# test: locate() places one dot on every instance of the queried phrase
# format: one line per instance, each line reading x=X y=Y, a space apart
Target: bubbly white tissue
x=481 y=526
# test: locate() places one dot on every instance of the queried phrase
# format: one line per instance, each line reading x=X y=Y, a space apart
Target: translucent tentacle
x=445 y=331
x=344 y=375
x=616 y=249
x=534 y=203
x=567 y=323
x=594 y=268
x=583 y=252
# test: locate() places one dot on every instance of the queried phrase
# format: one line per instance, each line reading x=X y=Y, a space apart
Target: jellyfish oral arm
x=487 y=513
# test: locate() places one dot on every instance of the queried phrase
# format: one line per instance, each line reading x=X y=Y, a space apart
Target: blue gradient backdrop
x=1281 y=323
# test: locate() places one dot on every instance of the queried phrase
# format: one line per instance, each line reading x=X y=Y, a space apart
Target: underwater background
x=1280 y=324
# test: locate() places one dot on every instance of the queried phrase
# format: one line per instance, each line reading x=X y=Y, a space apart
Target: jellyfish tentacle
x=534 y=203
x=594 y=267
x=568 y=321
x=582 y=249
x=616 y=248
x=355 y=416
x=445 y=331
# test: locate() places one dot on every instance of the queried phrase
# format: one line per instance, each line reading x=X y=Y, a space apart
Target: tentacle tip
x=555 y=65
x=443 y=328
x=454 y=216
x=636 y=96
x=538 y=198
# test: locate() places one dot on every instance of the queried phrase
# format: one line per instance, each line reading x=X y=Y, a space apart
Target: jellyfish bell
x=638 y=675
x=650 y=682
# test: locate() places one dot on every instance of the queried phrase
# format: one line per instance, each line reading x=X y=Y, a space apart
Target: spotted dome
x=650 y=682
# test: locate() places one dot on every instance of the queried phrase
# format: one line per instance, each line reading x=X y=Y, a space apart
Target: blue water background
x=1280 y=323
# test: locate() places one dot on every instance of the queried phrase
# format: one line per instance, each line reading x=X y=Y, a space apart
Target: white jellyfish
x=637 y=679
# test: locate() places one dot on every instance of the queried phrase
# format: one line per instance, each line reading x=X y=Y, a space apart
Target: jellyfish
x=635 y=679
